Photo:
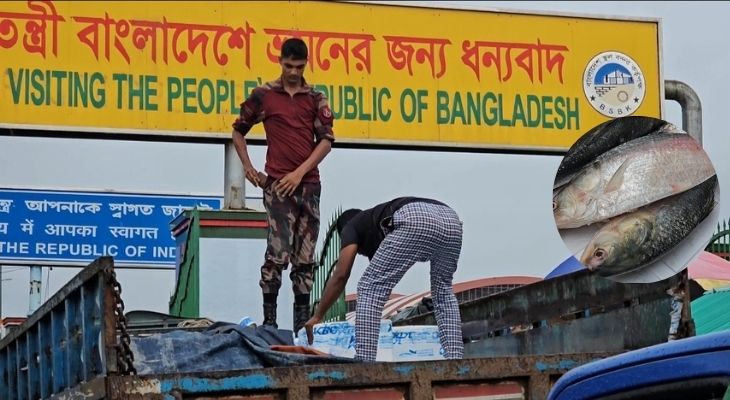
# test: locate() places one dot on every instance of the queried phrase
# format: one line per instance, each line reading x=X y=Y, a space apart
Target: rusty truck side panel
x=580 y=312
x=505 y=378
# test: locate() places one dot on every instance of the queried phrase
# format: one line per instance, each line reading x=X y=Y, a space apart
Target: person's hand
x=309 y=326
x=288 y=184
x=262 y=179
x=252 y=175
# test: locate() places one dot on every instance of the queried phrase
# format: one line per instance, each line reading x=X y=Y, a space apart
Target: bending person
x=394 y=236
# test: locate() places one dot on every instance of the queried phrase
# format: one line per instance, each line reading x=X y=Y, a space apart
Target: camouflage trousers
x=293 y=230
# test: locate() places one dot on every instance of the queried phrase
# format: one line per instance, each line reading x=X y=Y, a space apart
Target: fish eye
x=555 y=205
x=599 y=253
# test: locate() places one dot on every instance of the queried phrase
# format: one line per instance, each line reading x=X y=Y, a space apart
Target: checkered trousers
x=422 y=232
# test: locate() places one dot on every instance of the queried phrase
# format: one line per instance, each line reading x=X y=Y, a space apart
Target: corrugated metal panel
x=711 y=312
x=62 y=344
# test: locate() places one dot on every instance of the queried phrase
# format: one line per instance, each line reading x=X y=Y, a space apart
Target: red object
x=290 y=122
x=709 y=266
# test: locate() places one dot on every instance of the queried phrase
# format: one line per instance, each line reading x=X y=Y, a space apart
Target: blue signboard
x=74 y=228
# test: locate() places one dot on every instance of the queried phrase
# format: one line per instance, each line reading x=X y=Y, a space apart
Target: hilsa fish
x=605 y=137
x=630 y=176
x=634 y=240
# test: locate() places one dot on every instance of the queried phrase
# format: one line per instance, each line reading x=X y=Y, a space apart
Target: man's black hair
x=345 y=217
x=295 y=49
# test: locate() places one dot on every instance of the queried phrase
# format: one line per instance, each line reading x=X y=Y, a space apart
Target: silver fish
x=629 y=176
x=636 y=239
x=603 y=138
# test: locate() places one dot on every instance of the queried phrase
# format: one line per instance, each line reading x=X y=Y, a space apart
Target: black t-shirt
x=368 y=228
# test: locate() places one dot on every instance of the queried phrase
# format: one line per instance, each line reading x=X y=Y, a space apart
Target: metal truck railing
x=70 y=340
x=513 y=378
x=568 y=314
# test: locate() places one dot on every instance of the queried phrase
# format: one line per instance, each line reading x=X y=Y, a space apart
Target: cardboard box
x=416 y=343
x=338 y=339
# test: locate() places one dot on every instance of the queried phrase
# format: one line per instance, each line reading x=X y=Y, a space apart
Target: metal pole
x=234 y=197
x=35 y=289
x=687 y=98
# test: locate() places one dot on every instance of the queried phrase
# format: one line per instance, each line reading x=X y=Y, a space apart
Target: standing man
x=298 y=124
x=394 y=236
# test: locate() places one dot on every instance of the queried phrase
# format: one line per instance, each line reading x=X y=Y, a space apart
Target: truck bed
x=72 y=347
x=527 y=377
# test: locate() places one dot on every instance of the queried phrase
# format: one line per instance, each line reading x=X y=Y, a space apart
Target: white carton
x=416 y=343
x=338 y=339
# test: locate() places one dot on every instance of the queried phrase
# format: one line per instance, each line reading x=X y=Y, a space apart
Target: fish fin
x=617 y=180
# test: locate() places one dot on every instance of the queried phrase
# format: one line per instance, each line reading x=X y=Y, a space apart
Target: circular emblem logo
x=614 y=84
x=326 y=112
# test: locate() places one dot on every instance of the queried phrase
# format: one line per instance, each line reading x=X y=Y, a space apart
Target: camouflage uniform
x=294 y=125
x=293 y=229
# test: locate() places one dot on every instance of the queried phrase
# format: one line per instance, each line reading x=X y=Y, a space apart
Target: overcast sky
x=504 y=200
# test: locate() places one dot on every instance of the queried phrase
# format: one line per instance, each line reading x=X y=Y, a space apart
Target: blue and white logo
x=614 y=84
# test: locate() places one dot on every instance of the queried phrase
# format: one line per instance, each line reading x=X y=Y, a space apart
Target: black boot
x=270 y=315
x=301 y=316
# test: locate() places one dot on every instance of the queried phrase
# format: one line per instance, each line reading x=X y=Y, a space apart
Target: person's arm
x=334 y=287
x=239 y=142
x=251 y=114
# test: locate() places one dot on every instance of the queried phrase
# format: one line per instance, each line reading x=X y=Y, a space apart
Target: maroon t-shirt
x=293 y=124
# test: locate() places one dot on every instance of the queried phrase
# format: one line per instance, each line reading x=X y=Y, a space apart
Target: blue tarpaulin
x=223 y=347
x=571 y=264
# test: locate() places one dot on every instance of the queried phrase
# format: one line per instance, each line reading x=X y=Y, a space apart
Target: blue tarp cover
x=222 y=347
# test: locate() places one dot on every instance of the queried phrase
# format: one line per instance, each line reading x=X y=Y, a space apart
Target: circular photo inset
x=635 y=199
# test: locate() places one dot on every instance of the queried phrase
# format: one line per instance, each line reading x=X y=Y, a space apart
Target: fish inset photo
x=635 y=199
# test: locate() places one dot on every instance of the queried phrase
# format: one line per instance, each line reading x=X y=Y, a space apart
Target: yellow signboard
x=393 y=74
